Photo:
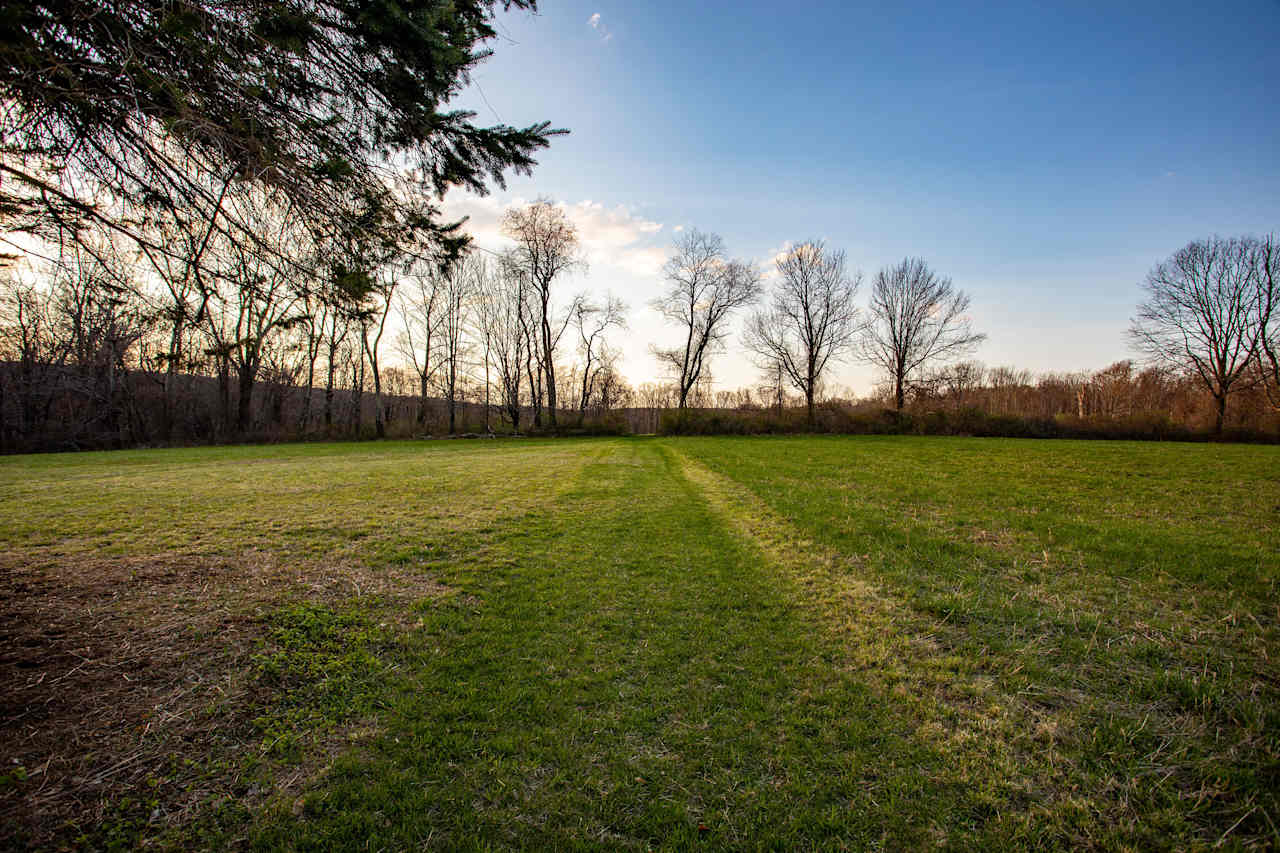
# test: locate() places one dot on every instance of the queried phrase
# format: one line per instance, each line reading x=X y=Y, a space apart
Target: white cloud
x=483 y=215
x=612 y=237
x=769 y=265
x=598 y=25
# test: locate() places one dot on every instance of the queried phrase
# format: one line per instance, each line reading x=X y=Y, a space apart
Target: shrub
x=843 y=419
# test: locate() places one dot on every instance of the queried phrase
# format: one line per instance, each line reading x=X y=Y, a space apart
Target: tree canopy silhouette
x=120 y=110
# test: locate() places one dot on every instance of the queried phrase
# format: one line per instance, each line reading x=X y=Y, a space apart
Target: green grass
x=660 y=644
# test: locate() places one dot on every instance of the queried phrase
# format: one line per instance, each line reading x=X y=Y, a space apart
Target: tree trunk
x=899 y=395
x=488 y=430
x=171 y=383
x=586 y=390
x=423 y=390
x=304 y=421
x=453 y=406
x=244 y=399
x=328 y=409
x=686 y=382
x=224 y=392
x=548 y=366
x=379 y=419
x=551 y=395
x=535 y=394
x=357 y=411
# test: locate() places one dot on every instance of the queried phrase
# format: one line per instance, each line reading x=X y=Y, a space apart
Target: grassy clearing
x=844 y=642
x=1113 y=606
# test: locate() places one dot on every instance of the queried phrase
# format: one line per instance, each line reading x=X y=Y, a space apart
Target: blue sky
x=1043 y=157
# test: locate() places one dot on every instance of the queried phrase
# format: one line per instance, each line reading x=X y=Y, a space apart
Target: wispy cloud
x=598 y=25
x=768 y=266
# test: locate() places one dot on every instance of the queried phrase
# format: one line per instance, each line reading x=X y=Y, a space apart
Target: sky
x=1043 y=157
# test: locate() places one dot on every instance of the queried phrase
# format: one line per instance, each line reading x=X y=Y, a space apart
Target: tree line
x=129 y=344
x=104 y=345
x=115 y=344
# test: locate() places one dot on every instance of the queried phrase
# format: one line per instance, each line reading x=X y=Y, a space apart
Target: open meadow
x=642 y=643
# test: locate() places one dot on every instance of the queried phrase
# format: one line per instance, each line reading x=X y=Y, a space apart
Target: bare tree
x=592 y=320
x=463 y=280
x=29 y=340
x=917 y=318
x=1200 y=314
x=246 y=297
x=504 y=305
x=1266 y=259
x=610 y=389
x=546 y=248
x=705 y=289
x=772 y=389
x=421 y=306
x=186 y=237
x=655 y=395
x=377 y=309
x=958 y=381
x=314 y=306
x=101 y=326
x=68 y=340
x=810 y=320
x=337 y=328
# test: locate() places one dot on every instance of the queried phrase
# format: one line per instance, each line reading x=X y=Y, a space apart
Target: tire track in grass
x=634 y=676
x=1157 y=694
x=998 y=745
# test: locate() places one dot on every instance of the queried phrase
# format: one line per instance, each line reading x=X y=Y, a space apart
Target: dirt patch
x=127 y=679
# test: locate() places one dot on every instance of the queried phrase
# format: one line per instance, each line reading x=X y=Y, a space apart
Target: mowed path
x=634 y=673
x=589 y=645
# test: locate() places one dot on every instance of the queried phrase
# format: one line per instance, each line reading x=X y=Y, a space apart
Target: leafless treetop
x=811 y=319
x=917 y=317
x=704 y=290
x=1200 y=312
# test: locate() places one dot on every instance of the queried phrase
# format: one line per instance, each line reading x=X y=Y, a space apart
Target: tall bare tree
x=421 y=307
x=592 y=321
x=504 y=305
x=313 y=305
x=339 y=321
x=917 y=318
x=246 y=297
x=547 y=248
x=377 y=307
x=1266 y=259
x=810 y=320
x=186 y=236
x=704 y=289
x=1200 y=314
x=460 y=287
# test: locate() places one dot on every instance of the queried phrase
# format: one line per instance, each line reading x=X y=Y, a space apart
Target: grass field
x=837 y=643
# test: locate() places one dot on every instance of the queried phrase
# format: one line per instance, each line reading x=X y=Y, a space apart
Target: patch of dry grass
x=117 y=671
